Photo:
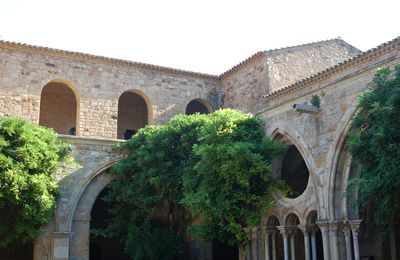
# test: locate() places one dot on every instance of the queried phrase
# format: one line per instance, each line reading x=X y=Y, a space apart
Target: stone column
x=306 y=233
x=255 y=244
x=273 y=236
x=314 y=230
x=60 y=246
x=248 y=246
x=355 y=225
x=347 y=236
x=333 y=237
x=292 y=244
x=324 y=227
x=266 y=235
x=285 y=231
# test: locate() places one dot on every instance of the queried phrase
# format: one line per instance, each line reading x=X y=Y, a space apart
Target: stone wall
x=97 y=82
x=266 y=72
x=318 y=136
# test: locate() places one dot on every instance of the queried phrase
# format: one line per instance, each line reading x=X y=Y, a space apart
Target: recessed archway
x=80 y=224
x=199 y=105
x=59 y=108
x=100 y=247
x=133 y=114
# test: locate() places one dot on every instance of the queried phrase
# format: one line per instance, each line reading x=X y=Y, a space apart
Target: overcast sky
x=208 y=36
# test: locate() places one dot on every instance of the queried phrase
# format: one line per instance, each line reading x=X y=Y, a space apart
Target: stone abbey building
x=94 y=102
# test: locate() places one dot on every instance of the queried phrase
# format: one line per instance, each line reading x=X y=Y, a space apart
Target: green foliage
x=229 y=182
x=375 y=144
x=315 y=101
x=28 y=157
x=213 y=168
x=149 y=242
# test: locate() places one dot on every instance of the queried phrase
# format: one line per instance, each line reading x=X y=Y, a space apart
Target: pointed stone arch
x=339 y=165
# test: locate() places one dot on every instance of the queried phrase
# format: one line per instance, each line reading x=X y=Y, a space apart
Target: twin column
x=262 y=243
x=330 y=234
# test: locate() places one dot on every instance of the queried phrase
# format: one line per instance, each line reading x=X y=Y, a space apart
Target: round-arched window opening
x=295 y=171
x=196 y=106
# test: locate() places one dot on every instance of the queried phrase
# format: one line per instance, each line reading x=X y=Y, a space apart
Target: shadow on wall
x=58 y=108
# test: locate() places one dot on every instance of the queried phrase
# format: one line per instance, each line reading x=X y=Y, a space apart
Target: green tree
x=28 y=158
x=214 y=168
x=375 y=144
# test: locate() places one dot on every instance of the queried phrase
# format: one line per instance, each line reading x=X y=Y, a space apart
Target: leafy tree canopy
x=28 y=158
x=208 y=175
x=375 y=144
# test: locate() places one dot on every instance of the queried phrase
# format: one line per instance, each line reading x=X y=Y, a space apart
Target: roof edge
x=114 y=61
x=384 y=47
x=256 y=55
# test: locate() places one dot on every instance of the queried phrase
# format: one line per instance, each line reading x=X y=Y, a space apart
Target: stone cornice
x=102 y=59
x=381 y=49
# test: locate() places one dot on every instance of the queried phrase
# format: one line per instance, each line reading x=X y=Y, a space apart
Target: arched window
x=58 y=108
x=294 y=170
x=198 y=106
x=132 y=114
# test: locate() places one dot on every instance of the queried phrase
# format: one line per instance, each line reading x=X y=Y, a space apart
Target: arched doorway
x=199 y=105
x=82 y=216
x=133 y=114
x=103 y=248
x=59 y=108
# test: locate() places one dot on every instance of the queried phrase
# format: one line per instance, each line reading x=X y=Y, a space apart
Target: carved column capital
x=254 y=232
x=263 y=231
x=307 y=229
x=285 y=231
x=324 y=227
x=346 y=229
x=334 y=227
x=247 y=230
x=355 y=225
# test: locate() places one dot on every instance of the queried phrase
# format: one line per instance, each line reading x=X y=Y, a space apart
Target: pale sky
x=208 y=36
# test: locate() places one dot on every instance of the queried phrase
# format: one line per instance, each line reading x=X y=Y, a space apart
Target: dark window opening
x=295 y=171
x=129 y=133
x=132 y=114
x=72 y=131
x=196 y=106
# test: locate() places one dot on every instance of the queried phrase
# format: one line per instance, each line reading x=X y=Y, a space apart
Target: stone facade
x=268 y=71
x=267 y=84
